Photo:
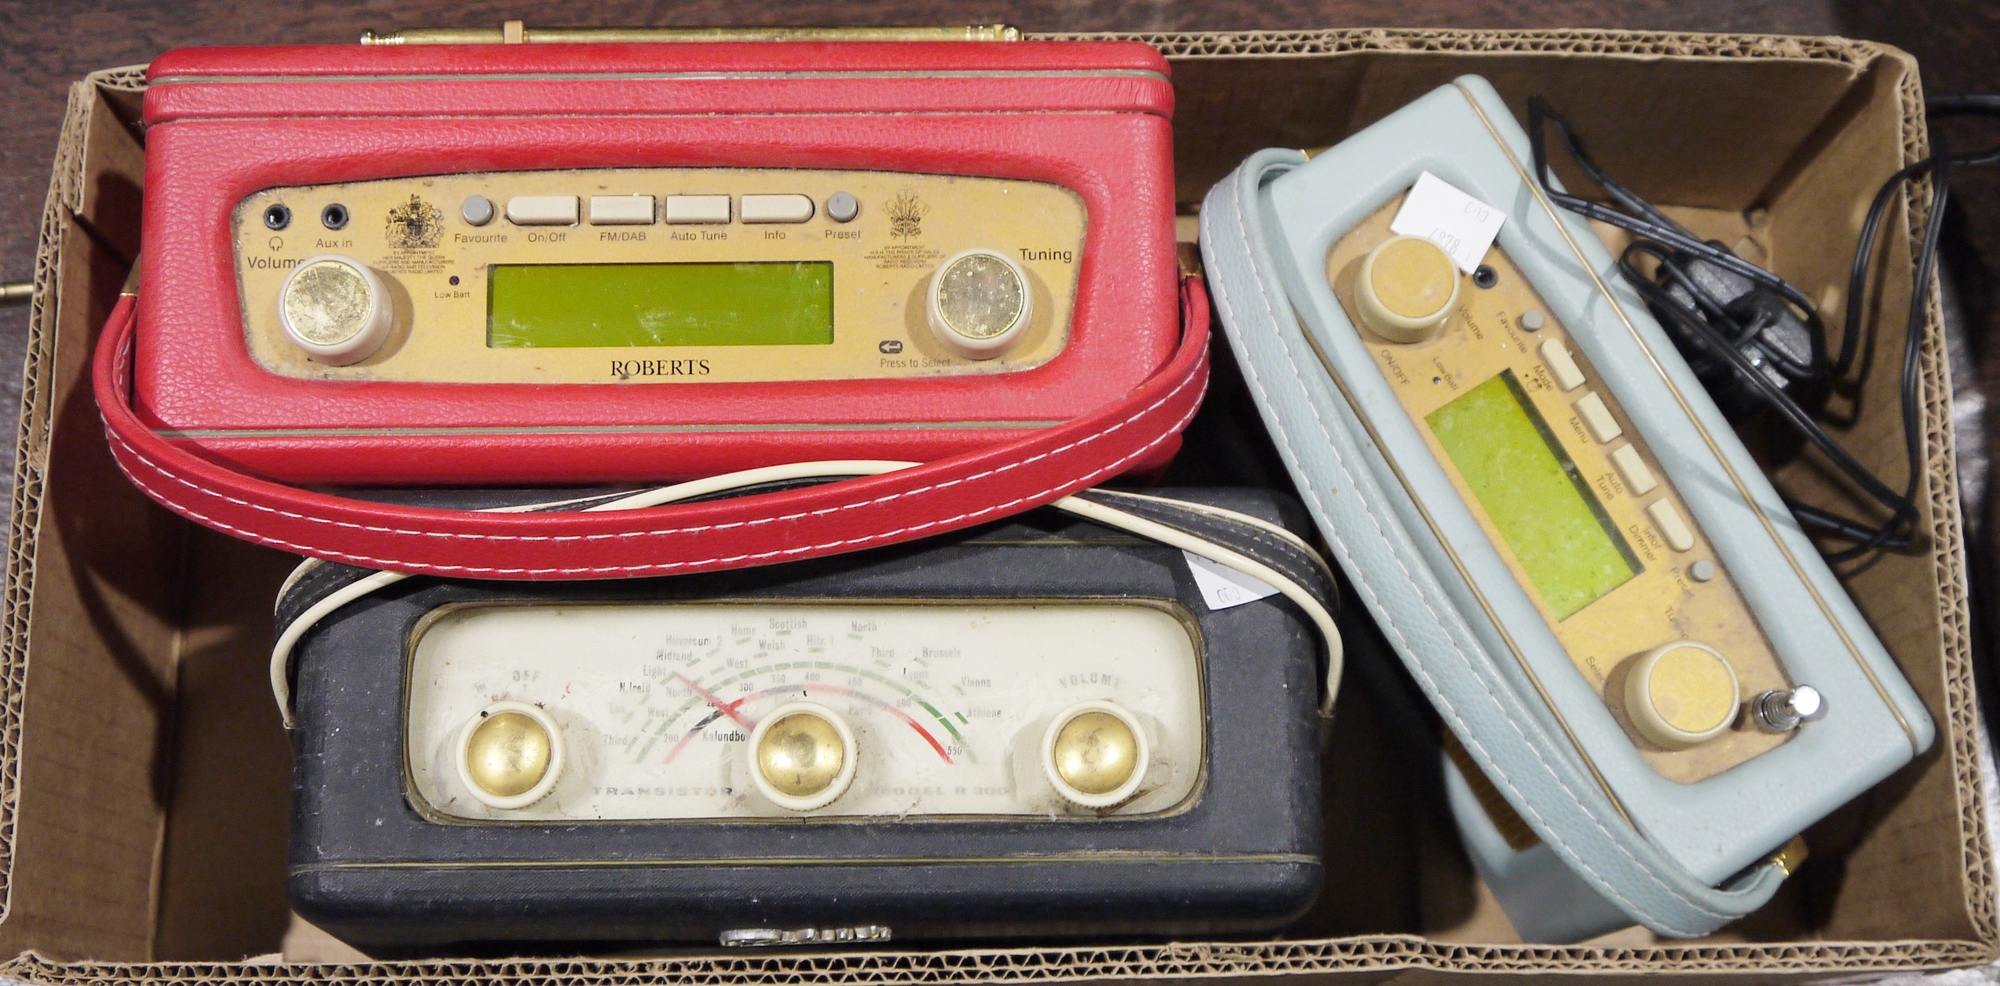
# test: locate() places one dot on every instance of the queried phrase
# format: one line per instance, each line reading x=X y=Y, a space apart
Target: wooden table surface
x=50 y=43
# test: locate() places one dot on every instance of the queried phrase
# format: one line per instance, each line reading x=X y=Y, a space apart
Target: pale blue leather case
x=1426 y=569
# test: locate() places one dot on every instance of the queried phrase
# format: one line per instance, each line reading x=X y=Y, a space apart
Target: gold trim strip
x=514 y=32
x=204 y=433
x=1065 y=858
x=1714 y=449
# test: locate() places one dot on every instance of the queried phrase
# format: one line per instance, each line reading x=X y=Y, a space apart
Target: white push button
x=777 y=208
x=621 y=210
x=682 y=209
x=542 y=210
x=1638 y=478
x=1598 y=418
x=1672 y=526
x=1568 y=375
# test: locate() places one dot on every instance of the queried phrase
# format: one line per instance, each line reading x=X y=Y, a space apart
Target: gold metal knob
x=1406 y=289
x=510 y=755
x=1095 y=754
x=335 y=309
x=1681 y=694
x=980 y=302
x=802 y=756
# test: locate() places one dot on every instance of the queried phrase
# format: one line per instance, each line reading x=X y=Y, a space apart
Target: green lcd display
x=1533 y=495
x=573 y=305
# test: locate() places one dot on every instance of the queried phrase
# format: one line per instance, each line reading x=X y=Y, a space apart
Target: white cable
x=281 y=652
x=1202 y=508
x=753 y=477
x=1336 y=651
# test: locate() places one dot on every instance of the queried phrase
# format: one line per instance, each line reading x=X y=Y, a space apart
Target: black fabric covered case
x=369 y=868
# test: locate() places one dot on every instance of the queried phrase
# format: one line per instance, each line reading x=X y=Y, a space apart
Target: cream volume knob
x=510 y=754
x=335 y=309
x=1095 y=754
x=1406 y=289
x=979 y=303
x=1681 y=694
x=802 y=756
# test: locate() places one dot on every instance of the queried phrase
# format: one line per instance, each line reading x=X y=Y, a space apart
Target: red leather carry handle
x=849 y=515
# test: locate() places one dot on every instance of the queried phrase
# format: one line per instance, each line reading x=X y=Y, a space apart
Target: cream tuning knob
x=802 y=756
x=979 y=303
x=1681 y=694
x=1095 y=754
x=1406 y=289
x=510 y=755
x=335 y=309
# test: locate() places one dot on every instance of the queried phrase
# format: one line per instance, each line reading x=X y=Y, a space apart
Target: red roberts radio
x=564 y=263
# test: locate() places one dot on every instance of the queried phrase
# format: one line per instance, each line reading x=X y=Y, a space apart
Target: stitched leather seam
x=1445 y=705
x=654 y=567
x=1194 y=374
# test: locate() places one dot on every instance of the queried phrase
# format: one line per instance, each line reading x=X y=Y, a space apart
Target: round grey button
x=477 y=210
x=842 y=207
x=1702 y=571
x=1532 y=320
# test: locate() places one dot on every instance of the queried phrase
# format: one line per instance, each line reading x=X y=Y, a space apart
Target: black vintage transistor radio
x=1041 y=728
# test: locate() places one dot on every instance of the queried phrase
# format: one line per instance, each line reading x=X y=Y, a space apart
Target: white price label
x=1455 y=221
x=1222 y=586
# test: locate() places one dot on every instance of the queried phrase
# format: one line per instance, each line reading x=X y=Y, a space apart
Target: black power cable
x=1739 y=335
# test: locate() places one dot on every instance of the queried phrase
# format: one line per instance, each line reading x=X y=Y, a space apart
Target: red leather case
x=226 y=122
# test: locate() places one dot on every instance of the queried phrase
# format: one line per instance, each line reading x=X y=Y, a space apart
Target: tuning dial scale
x=703 y=711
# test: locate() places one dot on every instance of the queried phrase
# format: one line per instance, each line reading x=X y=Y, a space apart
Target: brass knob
x=335 y=309
x=1681 y=694
x=1095 y=754
x=1406 y=289
x=802 y=756
x=510 y=755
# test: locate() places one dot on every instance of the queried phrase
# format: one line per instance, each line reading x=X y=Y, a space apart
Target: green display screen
x=1533 y=495
x=568 y=305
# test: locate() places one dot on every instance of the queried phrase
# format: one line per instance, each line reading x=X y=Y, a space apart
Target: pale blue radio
x=1658 y=679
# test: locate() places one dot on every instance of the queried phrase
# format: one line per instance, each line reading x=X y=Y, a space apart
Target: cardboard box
x=144 y=778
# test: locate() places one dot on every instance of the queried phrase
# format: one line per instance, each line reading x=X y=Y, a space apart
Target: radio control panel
x=1580 y=509
x=716 y=710
x=658 y=275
